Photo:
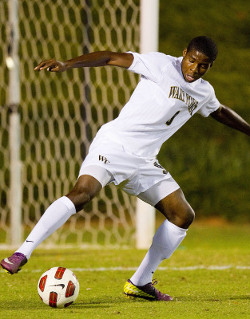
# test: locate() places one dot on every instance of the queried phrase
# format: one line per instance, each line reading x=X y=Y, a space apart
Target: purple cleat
x=148 y=292
x=14 y=263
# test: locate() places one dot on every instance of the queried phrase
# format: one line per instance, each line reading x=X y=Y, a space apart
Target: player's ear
x=184 y=53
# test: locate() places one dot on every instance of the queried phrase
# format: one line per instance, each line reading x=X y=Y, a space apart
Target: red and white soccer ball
x=58 y=287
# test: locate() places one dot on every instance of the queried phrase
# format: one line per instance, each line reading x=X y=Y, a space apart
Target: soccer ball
x=58 y=287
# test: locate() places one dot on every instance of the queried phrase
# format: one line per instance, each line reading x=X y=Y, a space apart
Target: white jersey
x=161 y=103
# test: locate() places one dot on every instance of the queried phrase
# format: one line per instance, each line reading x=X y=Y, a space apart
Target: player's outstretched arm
x=100 y=58
x=230 y=118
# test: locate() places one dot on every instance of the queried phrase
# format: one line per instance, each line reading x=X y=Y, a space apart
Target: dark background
x=209 y=160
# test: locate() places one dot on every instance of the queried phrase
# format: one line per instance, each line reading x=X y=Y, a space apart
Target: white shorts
x=145 y=178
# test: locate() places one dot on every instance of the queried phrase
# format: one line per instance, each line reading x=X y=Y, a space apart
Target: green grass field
x=195 y=276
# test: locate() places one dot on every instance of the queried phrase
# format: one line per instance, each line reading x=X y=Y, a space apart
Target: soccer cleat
x=14 y=263
x=148 y=292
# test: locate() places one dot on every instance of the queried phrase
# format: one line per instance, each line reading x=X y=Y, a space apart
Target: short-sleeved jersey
x=161 y=103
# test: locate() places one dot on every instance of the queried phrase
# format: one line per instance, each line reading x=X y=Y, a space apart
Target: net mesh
x=4 y=124
x=61 y=113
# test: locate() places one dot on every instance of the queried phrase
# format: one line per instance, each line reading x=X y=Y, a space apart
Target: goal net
x=61 y=113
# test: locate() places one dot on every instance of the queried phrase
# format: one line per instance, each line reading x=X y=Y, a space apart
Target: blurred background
x=61 y=113
x=209 y=160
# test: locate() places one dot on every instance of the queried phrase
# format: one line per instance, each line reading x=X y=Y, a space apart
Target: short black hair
x=205 y=45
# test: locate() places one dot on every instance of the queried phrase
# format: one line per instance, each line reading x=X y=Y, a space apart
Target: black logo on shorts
x=103 y=159
x=159 y=166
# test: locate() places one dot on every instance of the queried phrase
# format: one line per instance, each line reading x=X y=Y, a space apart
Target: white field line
x=215 y=267
x=188 y=268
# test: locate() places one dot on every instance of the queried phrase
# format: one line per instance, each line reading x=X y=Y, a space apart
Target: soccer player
x=170 y=92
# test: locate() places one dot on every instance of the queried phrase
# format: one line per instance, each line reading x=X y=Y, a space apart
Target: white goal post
x=12 y=62
x=149 y=24
x=48 y=120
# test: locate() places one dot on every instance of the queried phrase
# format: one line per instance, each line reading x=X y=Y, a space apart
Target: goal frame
x=149 y=26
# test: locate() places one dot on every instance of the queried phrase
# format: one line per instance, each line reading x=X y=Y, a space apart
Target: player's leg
x=168 y=237
x=60 y=211
x=57 y=214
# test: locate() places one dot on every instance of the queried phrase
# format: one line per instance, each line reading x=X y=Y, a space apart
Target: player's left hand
x=51 y=66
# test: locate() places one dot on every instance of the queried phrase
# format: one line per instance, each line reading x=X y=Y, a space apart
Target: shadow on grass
x=14 y=306
x=101 y=302
x=108 y=302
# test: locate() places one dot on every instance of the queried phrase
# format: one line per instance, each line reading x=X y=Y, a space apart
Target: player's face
x=194 y=65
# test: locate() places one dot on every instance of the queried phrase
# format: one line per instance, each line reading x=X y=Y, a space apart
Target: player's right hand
x=51 y=66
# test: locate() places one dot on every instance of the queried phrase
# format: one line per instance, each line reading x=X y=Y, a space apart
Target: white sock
x=167 y=238
x=53 y=218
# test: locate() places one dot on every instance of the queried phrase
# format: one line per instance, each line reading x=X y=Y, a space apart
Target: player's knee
x=177 y=210
x=183 y=213
x=84 y=190
x=187 y=217
x=79 y=196
x=182 y=217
